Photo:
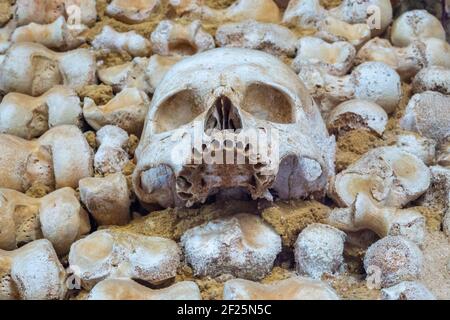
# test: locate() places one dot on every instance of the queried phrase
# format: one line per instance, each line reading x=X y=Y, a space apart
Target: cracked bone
x=30 y=117
x=32 y=272
x=428 y=114
x=295 y=288
x=126 y=110
x=416 y=25
x=432 y=79
x=407 y=61
x=107 y=199
x=260 y=95
x=111 y=156
x=269 y=37
x=333 y=58
x=319 y=250
x=59 y=158
x=357 y=114
x=57 y=217
x=171 y=38
x=407 y=290
x=127 y=289
x=348 y=22
x=414 y=143
x=132 y=11
x=112 y=254
x=392 y=260
x=40 y=69
x=242 y=245
x=47 y=11
x=373 y=81
x=130 y=42
x=142 y=73
x=56 y=35
x=390 y=175
x=365 y=213
x=259 y=10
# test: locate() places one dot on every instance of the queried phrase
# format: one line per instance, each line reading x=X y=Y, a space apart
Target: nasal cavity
x=223 y=116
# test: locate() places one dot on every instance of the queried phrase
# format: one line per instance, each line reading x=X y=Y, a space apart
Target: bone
x=30 y=117
x=59 y=158
x=295 y=288
x=107 y=199
x=126 y=289
x=390 y=175
x=126 y=110
x=129 y=42
x=432 y=79
x=171 y=38
x=392 y=260
x=32 y=272
x=407 y=290
x=414 y=143
x=242 y=245
x=47 y=11
x=62 y=219
x=428 y=114
x=407 y=61
x=268 y=95
x=259 y=10
x=347 y=22
x=57 y=217
x=333 y=30
x=372 y=81
x=319 y=250
x=112 y=254
x=357 y=114
x=111 y=156
x=443 y=157
x=269 y=37
x=333 y=58
x=375 y=13
x=365 y=213
x=56 y=35
x=141 y=73
x=416 y=25
x=132 y=12
x=40 y=69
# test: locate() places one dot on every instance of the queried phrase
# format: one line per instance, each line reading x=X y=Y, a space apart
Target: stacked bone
x=99 y=108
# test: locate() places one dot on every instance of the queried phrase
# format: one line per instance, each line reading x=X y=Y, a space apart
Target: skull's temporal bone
x=234 y=119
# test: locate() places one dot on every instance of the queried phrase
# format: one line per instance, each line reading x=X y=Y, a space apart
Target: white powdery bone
x=242 y=245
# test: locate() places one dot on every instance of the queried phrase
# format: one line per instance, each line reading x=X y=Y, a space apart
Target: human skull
x=232 y=120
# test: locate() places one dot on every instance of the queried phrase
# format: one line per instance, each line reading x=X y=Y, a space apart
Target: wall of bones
x=221 y=149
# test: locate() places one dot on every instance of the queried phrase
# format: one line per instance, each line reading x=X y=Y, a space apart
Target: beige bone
x=30 y=117
x=59 y=158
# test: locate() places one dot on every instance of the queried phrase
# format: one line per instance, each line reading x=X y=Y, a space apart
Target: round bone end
x=319 y=249
x=242 y=245
x=295 y=288
x=392 y=260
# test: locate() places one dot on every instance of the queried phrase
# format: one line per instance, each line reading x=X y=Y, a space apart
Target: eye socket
x=266 y=102
x=179 y=109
